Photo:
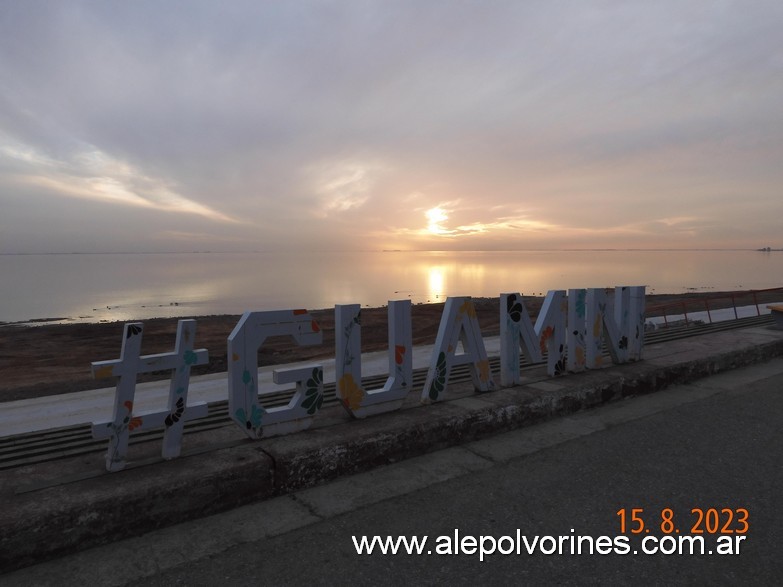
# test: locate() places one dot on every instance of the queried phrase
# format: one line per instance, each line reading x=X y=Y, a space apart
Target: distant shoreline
x=691 y=292
x=253 y=252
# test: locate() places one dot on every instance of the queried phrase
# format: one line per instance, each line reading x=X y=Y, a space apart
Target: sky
x=246 y=125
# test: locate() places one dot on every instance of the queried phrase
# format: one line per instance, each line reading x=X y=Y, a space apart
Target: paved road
x=714 y=444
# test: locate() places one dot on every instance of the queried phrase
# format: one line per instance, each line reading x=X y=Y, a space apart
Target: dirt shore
x=52 y=359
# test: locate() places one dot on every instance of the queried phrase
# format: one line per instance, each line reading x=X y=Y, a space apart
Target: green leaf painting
x=314 y=397
x=439 y=381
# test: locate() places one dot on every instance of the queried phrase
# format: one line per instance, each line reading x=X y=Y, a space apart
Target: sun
x=435 y=217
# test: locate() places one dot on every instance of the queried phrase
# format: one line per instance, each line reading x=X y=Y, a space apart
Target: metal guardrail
x=713 y=302
x=59 y=443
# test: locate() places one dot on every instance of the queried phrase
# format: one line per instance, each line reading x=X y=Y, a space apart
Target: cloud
x=451 y=221
x=334 y=123
x=91 y=174
x=343 y=185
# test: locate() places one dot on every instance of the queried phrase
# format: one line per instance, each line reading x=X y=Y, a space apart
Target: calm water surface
x=91 y=288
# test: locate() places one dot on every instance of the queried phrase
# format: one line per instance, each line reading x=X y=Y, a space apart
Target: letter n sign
x=243 y=343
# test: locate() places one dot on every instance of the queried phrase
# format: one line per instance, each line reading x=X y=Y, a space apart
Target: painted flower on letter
x=439 y=381
x=580 y=356
x=399 y=354
x=597 y=324
x=351 y=394
x=468 y=309
x=314 y=396
x=548 y=333
x=483 y=369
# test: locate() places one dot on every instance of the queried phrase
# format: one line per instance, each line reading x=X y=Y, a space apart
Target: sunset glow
x=401 y=125
x=435 y=219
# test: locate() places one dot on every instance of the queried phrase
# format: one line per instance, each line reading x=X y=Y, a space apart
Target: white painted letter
x=243 y=343
x=516 y=333
x=618 y=320
x=124 y=420
x=348 y=360
x=458 y=324
x=576 y=332
x=550 y=329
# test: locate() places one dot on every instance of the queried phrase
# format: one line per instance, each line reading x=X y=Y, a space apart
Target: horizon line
x=260 y=251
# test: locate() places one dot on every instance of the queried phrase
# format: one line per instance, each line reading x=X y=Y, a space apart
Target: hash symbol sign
x=126 y=368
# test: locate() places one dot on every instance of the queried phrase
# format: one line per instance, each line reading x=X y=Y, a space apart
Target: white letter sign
x=348 y=360
x=126 y=368
x=458 y=324
x=618 y=321
x=516 y=333
x=243 y=343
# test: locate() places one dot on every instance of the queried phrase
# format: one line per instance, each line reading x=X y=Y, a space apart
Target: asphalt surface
x=713 y=444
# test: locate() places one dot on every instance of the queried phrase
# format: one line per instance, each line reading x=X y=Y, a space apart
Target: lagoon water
x=97 y=287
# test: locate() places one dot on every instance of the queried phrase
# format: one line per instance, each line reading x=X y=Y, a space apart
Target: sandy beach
x=51 y=359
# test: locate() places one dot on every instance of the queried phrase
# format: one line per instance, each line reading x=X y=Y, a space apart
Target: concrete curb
x=307 y=459
x=58 y=519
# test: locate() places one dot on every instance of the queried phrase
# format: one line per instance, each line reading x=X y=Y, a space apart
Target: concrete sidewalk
x=72 y=504
x=96 y=405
